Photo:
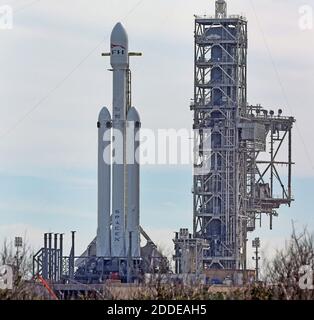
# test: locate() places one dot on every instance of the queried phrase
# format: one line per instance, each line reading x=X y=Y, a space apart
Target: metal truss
x=268 y=185
x=233 y=184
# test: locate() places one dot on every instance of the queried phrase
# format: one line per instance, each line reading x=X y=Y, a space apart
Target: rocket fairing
x=114 y=230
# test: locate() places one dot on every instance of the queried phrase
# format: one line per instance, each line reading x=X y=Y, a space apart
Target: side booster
x=118 y=164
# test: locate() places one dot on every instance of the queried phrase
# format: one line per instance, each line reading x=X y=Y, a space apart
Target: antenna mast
x=221 y=9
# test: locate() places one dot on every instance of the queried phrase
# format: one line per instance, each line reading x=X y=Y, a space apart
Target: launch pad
x=115 y=254
x=51 y=264
x=240 y=153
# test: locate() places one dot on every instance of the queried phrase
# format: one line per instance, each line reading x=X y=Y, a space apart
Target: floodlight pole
x=18 y=243
x=256 y=243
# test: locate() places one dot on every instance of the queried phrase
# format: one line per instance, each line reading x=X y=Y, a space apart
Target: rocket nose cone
x=119 y=36
x=133 y=115
x=104 y=115
x=119 y=47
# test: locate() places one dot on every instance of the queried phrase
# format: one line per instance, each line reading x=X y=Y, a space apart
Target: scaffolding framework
x=234 y=182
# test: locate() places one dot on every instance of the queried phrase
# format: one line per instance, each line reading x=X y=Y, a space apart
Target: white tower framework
x=238 y=187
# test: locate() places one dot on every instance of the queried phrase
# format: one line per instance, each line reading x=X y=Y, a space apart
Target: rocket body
x=103 y=243
x=120 y=65
x=121 y=177
x=133 y=183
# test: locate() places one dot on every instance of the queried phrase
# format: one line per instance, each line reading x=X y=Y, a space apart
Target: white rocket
x=118 y=166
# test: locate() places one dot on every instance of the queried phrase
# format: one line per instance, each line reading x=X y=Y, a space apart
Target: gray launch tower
x=237 y=150
x=220 y=95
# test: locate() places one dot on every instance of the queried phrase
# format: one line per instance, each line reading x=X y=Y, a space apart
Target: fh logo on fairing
x=117 y=49
x=6 y=278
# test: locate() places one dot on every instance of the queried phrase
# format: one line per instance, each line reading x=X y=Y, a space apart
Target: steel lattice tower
x=219 y=101
x=234 y=181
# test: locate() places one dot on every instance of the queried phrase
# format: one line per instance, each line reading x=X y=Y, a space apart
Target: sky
x=54 y=82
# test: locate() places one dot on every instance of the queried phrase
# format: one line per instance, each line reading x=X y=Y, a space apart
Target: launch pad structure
x=242 y=171
x=115 y=253
x=239 y=148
